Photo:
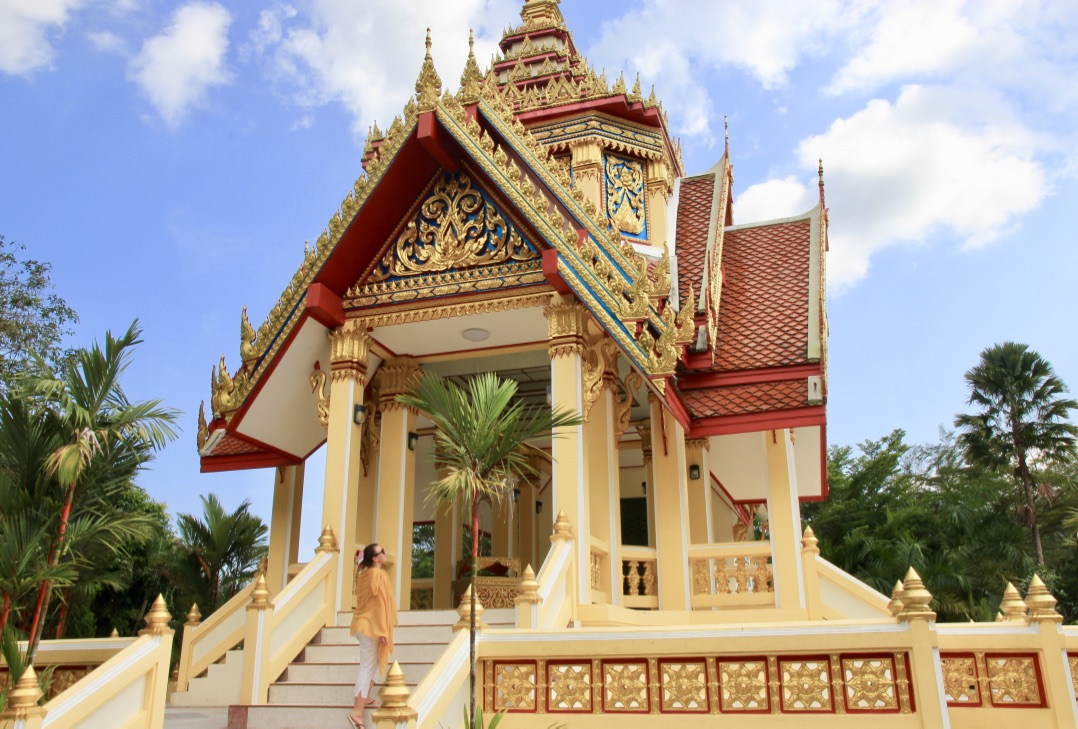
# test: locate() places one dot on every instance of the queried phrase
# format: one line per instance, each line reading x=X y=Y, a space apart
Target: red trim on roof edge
x=677 y=407
x=244 y=462
x=324 y=306
x=550 y=270
x=242 y=410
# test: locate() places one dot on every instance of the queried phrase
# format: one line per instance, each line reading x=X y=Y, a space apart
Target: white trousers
x=368 y=664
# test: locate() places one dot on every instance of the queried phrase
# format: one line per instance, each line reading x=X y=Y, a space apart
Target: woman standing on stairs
x=372 y=623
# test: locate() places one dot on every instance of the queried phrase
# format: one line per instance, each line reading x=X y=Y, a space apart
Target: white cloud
x=24 y=29
x=935 y=159
x=106 y=41
x=674 y=45
x=174 y=69
x=366 y=56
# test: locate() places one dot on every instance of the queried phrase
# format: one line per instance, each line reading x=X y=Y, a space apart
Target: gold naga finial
x=203 y=426
x=248 y=349
x=428 y=87
x=472 y=77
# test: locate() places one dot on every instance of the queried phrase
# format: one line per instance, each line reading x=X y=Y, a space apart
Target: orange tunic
x=376 y=611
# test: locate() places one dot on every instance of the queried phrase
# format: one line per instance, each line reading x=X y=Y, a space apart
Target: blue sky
x=170 y=159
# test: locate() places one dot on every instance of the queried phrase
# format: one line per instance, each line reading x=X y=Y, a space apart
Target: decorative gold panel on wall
x=625 y=686
x=993 y=679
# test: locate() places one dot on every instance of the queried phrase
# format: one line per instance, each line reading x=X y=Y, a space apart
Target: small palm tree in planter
x=482 y=442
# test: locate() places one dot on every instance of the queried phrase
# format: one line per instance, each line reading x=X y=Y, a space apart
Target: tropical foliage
x=483 y=443
x=1020 y=426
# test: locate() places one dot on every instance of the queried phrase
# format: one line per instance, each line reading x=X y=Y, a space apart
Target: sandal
x=355 y=724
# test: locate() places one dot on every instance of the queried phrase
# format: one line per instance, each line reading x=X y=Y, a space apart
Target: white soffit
x=807 y=456
x=506 y=328
x=284 y=413
x=740 y=463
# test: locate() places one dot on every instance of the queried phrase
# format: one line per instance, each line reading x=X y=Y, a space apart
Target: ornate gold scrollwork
x=318 y=387
x=203 y=427
x=226 y=390
x=455 y=227
x=248 y=337
x=625 y=194
x=349 y=347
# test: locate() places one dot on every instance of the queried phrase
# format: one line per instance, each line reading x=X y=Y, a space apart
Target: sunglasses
x=380 y=552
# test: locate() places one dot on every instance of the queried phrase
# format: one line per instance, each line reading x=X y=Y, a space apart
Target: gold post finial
x=809 y=541
x=563 y=530
x=394 y=710
x=1042 y=605
x=261 y=594
x=194 y=617
x=263 y=565
x=915 y=598
x=1011 y=606
x=22 y=700
x=895 y=605
x=464 y=610
x=528 y=590
x=114 y=634
x=157 y=619
x=327 y=541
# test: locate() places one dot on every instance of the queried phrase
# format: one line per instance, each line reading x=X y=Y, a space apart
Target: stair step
x=436 y=617
x=349 y=653
x=344 y=672
x=301 y=716
x=321 y=694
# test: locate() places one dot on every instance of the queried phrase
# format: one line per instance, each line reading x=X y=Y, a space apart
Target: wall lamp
x=359 y=414
x=413 y=441
x=644 y=487
x=694 y=472
x=516 y=495
x=538 y=507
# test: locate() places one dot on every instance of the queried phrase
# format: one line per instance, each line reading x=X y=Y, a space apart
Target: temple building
x=538 y=222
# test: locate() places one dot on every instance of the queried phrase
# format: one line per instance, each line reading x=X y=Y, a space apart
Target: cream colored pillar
x=394 y=500
x=446 y=554
x=604 y=499
x=566 y=325
x=284 y=525
x=643 y=428
x=671 y=507
x=784 y=517
x=348 y=364
x=696 y=452
x=658 y=193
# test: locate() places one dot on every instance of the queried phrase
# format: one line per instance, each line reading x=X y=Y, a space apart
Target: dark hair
x=369 y=553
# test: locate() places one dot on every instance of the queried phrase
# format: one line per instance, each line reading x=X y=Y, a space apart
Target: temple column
x=394 y=497
x=284 y=525
x=348 y=374
x=658 y=193
x=587 y=162
x=784 y=517
x=696 y=452
x=671 y=507
x=566 y=325
x=446 y=554
x=643 y=429
x=604 y=499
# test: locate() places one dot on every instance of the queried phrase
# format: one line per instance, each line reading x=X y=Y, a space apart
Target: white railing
x=207 y=642
x=277 y=631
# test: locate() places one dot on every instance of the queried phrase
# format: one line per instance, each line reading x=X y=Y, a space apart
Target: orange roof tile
x=230 y=445
x=695 y=200
x=763 y=314
x=741 y=399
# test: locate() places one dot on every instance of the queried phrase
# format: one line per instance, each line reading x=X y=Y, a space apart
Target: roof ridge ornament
x=472 y=78
x=428 y=87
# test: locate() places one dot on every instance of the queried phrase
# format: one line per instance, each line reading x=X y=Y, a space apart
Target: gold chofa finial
x=428 y=87
x=472 y=77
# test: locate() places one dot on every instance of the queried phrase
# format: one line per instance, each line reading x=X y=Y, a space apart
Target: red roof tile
x=763 y=313
x=695 y=200
x=230 y=445
x=741 y=399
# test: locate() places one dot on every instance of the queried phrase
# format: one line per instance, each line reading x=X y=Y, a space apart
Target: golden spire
x=541 y=12
x=820 y=173
x=472 y=76
x=726 y=135
x=428 y=87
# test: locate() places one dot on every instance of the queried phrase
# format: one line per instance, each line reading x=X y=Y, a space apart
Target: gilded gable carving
x=625 y=201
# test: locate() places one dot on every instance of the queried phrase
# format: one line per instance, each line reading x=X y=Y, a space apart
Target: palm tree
x=483 y=442
x=1022 y=418
x=225 y=548
x=100 y=425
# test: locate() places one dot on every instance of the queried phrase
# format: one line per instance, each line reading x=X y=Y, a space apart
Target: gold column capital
x=349 y=347
x=567 y=324
x=396 y=377
x=696 y=444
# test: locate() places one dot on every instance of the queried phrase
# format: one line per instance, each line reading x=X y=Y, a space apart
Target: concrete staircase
x=219 y=687
x=316 y=690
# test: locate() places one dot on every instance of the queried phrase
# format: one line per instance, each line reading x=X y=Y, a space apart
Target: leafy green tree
x=482 y=440
x=32 y=318
x=219 y=552
x=105 y=436
x=1020 y=425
